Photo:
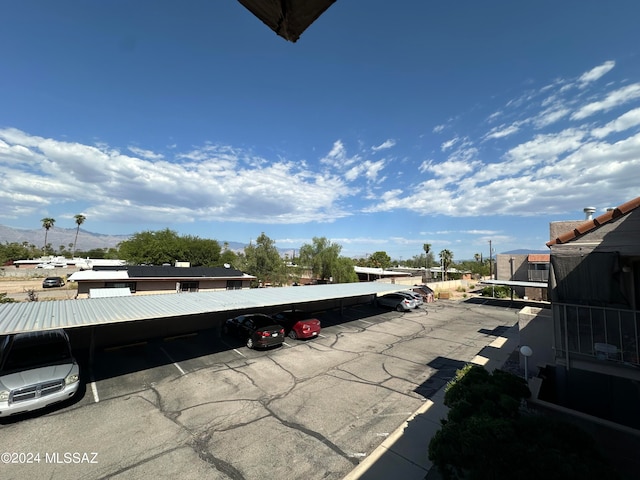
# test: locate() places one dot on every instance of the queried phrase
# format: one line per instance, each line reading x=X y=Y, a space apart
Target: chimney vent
x=588 y=212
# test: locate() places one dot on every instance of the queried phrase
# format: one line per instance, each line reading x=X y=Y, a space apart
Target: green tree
x=379 y=260
x=166 y=246
x=344 y=272
x=229 y=257
x=446 y=257
x=321 y=257
x=79 y=218
x=10 y=252
x=47 y=224
x=264 y=262
x=474 y=267
x=427 y=249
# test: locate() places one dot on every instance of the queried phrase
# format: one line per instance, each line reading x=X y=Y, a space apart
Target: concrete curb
x=403 y=454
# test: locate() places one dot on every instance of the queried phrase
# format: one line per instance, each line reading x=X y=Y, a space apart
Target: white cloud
x=550 y=116
x=623 y=122
x=385 y=145
x=209 y=183
x=449 y=144
x=367 y=168
x=612 y=100
x=337 y=157
x=596 y=73
x=502 y=131
x=147 y=154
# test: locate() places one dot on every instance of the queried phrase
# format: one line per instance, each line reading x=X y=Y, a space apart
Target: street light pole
x=490 y=261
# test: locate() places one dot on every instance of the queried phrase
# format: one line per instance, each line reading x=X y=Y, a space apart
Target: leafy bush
x=497 y=291
x=5 y=299
x=485 y=436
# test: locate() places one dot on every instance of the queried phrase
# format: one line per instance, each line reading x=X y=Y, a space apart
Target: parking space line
x=364 y=321
x=320 y=335
x=239 y=352
x=285 y=343
x=172 y=361
x=94 y=389
x=120 y=347
x=176 y=337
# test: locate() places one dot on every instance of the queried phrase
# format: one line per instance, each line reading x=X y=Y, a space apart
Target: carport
x=92 y=322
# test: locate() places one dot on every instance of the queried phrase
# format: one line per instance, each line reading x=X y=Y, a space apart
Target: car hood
x=37 y=375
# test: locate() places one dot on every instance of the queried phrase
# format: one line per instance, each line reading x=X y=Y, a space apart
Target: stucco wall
x=536 y=331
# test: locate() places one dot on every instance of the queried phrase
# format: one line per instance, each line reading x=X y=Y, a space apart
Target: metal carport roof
x=32 y=316
x=515 y=283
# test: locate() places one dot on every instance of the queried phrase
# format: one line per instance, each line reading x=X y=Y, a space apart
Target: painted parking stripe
x=364 y=321
x=172 y=361
x=94 y=390
x=239 y=352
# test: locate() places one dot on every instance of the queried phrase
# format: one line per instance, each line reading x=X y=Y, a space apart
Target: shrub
x=5 y=299
x=485 y=436
x=497 y=291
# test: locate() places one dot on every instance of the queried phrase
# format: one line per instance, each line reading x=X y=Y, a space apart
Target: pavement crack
x=200 y=446
x=317 y=435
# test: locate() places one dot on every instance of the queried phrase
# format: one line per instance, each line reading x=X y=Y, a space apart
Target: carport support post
x=92 y=347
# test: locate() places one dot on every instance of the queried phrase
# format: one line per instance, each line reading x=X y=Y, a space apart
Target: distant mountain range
x=523 y=251
x=86 y=240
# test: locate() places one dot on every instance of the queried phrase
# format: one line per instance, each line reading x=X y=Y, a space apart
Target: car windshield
x=32 y=353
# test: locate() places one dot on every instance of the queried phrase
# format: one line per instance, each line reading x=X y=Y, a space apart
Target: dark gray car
x=52 y=282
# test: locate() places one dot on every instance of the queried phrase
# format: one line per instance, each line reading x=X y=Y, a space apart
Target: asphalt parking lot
x=206 y=407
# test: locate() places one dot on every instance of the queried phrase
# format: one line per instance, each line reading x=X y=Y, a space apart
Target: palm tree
x=427 y=248
x=79 y=221
x=445 y=257
x=478 y=257
x=47 y=223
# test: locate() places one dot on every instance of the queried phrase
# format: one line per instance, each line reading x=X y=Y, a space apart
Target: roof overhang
x=515 y=283
x=288 y=18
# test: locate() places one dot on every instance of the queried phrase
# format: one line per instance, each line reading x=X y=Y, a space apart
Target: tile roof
x=590 y=225
x=539 y=258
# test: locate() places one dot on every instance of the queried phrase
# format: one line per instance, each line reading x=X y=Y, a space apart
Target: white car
x=415 y=296
x=37 y=369
x=399 y=302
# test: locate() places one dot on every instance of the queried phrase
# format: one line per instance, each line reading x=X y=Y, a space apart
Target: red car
x=298 y=324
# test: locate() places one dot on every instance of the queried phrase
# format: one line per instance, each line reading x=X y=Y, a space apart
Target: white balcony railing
x=603 y=333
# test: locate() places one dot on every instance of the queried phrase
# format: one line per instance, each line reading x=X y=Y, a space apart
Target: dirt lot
x=17 y=288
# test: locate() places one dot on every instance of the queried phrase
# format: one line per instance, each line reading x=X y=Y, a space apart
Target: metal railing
x=603 y=333
x=538 y=275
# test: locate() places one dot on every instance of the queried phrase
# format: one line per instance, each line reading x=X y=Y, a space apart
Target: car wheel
x=292 y=335
x=249 y=342
x=400 y=308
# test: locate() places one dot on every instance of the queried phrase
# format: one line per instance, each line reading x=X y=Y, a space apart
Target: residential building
x=530 y=267
x=145 y=280
x=592 y=338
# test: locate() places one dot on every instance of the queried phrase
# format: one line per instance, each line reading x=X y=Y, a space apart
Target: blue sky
x=382 y=128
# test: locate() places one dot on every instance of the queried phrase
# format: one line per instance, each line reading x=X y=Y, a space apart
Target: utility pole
x=490 y=261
